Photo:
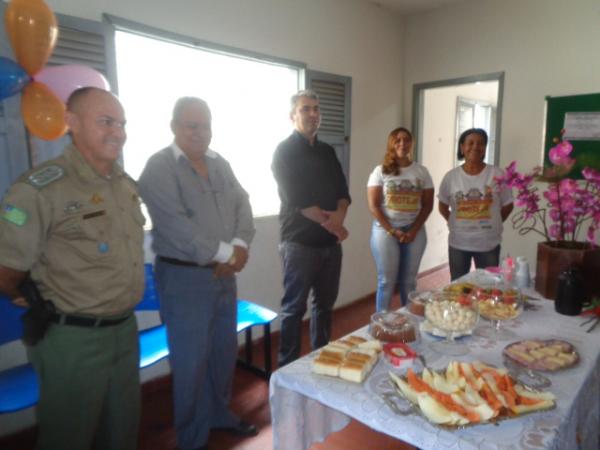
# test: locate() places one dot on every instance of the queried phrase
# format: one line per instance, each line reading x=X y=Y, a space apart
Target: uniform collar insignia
x=96 y=199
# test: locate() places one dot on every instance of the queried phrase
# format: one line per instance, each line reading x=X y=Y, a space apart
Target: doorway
x=442 y=110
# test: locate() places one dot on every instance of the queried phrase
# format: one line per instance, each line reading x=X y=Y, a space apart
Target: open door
x=442 y=110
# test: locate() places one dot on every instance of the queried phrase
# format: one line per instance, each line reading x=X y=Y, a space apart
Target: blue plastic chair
x=248 y=316
x=153 y=341
x=19 y=386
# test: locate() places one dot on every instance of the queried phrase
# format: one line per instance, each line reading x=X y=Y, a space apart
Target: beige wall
x=545 y=47
x=438 y=153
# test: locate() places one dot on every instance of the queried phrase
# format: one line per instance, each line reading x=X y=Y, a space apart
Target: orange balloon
x=43 y=112
x=32 y=30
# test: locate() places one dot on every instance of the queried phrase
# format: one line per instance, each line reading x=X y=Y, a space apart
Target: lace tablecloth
x=306 y=407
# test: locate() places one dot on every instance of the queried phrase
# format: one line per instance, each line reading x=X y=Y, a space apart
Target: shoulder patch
x=45 y=176
x=14 y=215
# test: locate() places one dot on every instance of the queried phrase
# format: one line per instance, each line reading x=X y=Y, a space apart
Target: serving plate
x=442 y=414
x=540 y=351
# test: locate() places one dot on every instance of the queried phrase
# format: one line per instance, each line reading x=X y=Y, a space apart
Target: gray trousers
x=200 y=312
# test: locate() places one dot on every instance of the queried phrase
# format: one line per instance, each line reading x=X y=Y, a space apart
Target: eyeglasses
x=195 y=126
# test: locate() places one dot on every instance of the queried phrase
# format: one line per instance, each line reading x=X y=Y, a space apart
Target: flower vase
x=553 y=257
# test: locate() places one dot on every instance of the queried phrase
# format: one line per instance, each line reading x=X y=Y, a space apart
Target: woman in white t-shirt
x=400 y=195
x=473 y=207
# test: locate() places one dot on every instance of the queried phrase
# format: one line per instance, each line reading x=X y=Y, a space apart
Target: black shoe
x=244 y=429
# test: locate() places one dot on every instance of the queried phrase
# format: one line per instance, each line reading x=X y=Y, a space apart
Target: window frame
x=115 y=23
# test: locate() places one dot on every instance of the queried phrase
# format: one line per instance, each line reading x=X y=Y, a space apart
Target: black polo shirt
x=307 y=176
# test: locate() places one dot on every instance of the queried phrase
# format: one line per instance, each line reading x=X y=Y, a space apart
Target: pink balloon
x=63 y=80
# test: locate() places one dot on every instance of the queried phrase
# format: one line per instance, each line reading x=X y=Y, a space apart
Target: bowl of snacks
x=498 y=304
x=454 y=316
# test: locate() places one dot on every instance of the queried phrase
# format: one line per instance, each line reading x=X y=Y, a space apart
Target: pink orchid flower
x=559 y=154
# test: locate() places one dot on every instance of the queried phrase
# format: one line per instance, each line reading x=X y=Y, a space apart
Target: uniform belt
x=178 y=262
x=66 y=319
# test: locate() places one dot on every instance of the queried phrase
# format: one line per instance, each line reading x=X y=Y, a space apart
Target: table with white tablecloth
x=306 y=407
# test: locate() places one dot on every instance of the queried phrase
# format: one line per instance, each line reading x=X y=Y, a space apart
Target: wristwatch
x=231 y=261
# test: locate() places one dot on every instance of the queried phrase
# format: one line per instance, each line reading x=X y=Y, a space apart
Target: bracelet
x=391 y=231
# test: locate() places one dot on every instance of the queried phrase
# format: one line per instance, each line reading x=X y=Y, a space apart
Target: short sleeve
x=444 y=193
x=23 y=219
x=427 y=181
x=376 y=177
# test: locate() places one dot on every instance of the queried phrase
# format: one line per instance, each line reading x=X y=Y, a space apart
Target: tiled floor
x=251 y=399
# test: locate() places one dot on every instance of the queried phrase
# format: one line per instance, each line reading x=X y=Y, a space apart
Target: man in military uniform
x=75 y=225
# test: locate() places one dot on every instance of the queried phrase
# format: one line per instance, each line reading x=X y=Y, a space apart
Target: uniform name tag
x=14 y=215
x=94 y=214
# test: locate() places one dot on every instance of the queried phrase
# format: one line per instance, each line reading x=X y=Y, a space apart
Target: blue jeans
x=397 y=264
x=460 y=260
x=200 y=312
x=307 y=269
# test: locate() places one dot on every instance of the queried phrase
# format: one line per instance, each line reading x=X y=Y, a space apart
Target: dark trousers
x=460 y=260
x=307 y=270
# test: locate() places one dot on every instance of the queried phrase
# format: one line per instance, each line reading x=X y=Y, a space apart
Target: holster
x=37 y=318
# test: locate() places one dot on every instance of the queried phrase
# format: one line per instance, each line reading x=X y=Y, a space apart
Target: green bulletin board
x=579 y=117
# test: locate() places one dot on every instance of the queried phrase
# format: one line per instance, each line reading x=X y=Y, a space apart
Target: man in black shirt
x=314 y=199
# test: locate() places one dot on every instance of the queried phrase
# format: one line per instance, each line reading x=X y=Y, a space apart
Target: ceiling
x=412 y=6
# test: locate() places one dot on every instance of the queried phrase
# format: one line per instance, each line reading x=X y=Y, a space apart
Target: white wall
x=545 y=47
x=346 y=37
x=439 y=152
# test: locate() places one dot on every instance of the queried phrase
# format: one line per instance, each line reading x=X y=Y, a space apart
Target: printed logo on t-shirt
x=404 y=196
x=474 y=205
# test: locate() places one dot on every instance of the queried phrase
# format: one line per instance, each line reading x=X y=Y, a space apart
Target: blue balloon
x=12 y=78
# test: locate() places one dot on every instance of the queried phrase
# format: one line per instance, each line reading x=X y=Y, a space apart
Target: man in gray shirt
x=203 y=227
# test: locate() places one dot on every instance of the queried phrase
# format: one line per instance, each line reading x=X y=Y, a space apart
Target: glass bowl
x=393 y=327
x=417 y=301
x=498 y=304
x=454 y=315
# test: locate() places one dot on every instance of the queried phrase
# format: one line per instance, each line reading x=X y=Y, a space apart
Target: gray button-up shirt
x=195 y=219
